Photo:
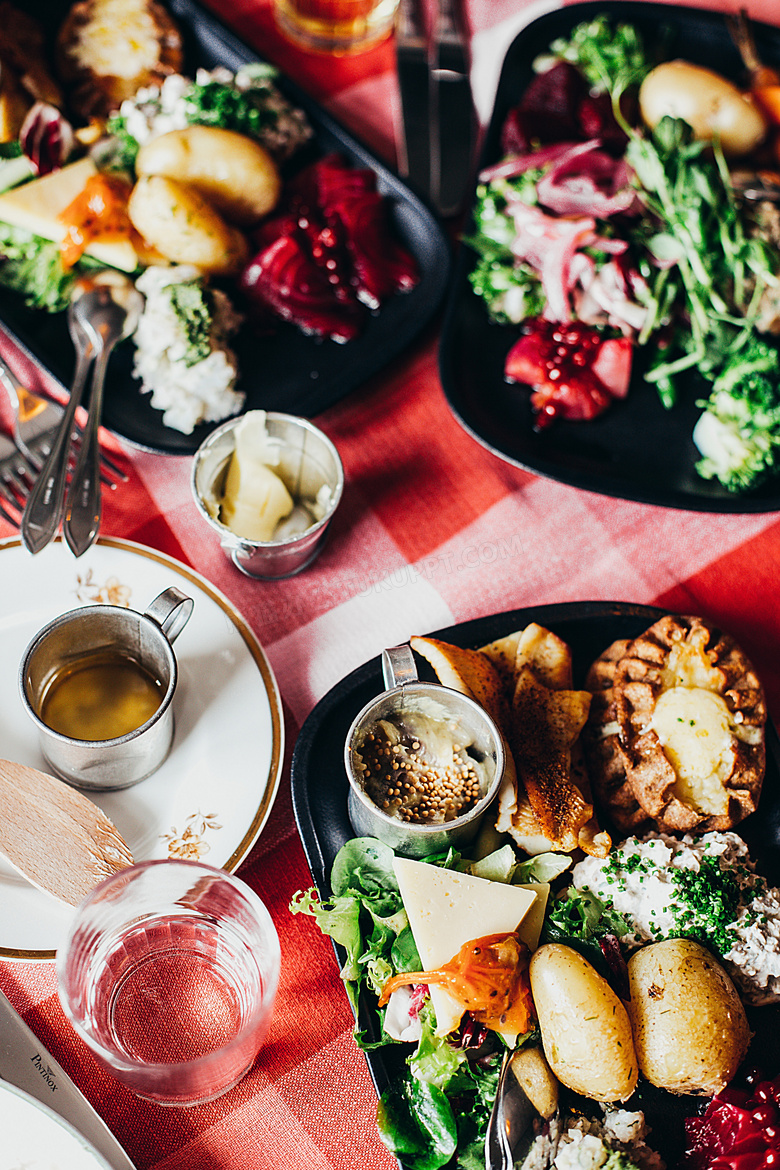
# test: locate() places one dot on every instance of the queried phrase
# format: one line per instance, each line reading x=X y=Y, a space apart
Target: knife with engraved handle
x=25 y=1063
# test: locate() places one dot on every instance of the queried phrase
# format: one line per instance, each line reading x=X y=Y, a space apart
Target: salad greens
x=610 y=56
x=512 y=291
x=33 y=267
x=438 y=1108
x=743 y=413
x=706 y=269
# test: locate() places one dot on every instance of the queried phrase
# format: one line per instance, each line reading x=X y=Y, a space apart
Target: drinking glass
x=335 y=26
x=169 y=974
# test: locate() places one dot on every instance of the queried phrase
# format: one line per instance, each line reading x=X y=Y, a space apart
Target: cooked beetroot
x=350 y=201
x=557 y=107
x=547 y=111
x=284 y=277
x=574 y=371
x=597 y=120
x=339 y=244
x=737 y=1131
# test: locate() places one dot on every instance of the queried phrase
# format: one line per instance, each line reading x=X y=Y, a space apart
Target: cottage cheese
x=641 y=880
x=613 y=1142
x=187 y=392
x=158 y=109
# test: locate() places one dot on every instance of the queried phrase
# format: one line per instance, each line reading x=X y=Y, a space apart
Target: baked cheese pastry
x=108 y=49
x=676 y=737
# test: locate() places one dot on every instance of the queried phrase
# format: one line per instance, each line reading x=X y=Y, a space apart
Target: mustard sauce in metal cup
x=445 y=750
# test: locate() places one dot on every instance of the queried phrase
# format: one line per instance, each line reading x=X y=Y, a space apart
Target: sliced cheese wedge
x=447 y=909
x=36 y=206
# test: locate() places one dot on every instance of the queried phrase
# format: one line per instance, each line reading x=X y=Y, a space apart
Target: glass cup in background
x=169 y=974
x=335 y=26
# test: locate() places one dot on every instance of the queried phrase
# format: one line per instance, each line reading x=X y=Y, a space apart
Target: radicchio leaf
x=46 y=138
x=613 y=956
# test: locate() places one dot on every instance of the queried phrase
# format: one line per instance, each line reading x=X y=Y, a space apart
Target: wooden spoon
x=54 y=836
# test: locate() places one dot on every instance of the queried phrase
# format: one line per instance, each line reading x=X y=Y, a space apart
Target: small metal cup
x=107 y=764
x=308 y=459
x=405 y=690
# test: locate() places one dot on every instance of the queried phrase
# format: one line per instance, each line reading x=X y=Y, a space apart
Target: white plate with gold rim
x=213 y=794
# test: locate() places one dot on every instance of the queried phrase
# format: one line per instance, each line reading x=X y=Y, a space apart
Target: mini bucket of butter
x=268 y=484
x=424 y=763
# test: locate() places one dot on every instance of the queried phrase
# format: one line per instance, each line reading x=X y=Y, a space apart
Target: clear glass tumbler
x=337 y=27
x=169 y=974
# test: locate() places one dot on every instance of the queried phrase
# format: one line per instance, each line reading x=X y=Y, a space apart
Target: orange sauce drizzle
x=489 y=976
x=97 y=212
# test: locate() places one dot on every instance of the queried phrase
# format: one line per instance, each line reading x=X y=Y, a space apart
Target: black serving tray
x=287 y=371
x=636 y=450
x=320 y=787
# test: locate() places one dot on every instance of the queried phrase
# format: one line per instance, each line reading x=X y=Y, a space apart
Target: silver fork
x=17 y=475
x=35 y=421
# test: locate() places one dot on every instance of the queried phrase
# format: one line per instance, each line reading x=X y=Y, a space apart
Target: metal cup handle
x=171 y=611
x=398 y=666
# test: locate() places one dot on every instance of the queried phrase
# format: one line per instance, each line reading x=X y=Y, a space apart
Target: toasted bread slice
x=467 y=671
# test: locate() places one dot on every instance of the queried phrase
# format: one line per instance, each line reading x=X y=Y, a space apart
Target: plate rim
x=605 y=482
x=255 y=649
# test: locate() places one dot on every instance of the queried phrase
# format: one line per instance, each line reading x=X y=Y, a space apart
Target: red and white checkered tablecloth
x=433 y=530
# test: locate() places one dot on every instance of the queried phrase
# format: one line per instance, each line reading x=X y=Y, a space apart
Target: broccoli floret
x=738 y=434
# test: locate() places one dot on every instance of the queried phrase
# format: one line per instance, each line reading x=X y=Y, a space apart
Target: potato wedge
x=690 y=1029
x=233 y=173
x=184 y=228
x=586 y=1034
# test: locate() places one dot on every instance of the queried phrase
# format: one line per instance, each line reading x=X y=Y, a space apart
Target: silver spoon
x=527 y=1096
x=43 y=510
x=510 y=1118
x=107 y=313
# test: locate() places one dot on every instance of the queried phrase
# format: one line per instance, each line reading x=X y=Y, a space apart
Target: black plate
x=288 y=371
x=319 y=794
x=636 y=450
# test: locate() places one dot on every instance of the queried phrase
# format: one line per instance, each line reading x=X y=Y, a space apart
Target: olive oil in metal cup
x=98 y=683
x=445 y=708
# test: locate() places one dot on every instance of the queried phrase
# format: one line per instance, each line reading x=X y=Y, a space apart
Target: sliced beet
x=284 y=277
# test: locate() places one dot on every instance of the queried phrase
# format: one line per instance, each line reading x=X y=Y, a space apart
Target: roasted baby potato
x=177 y=221
x=711 y=105
x=234 y=173
x=586 y=1034
x=690 y=1029
x=535 y=1076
